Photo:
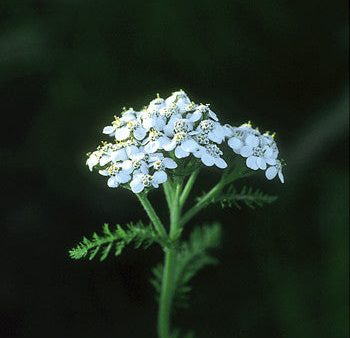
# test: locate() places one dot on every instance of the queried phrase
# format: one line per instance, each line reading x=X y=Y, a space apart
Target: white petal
x=271 y=173
x=169 y=163
x=160 y=177
x=251 y=162
x=169 y=130
x=123 y=177
x=252 y=140
x=128 y=116
x=108 y=130
x=246 y=151
x=212 y=115
x=170 y=146
x=127 y=165
x=137 y=156
x=268 y=152
x=122 y=133
x=220 y=163
x=270 y=161
x=261 y=163
x=119 y=155
x=103 y=172
x=104 y=160
x=155 y=157
x=207 y=159
x=130 y=150
x=152 y=147
x=199 y=152
x=163 y=140
x=148 y=123
x=136 y=185
x=140 y=133
x=159 y=123
x=112 y=182
x=92 y=161
x=235 y=143
x=214 y=137
x=219 y=132
x=180 y=153
x=189 y=145
x=280 y=175
x=228 y=130
x=144 y=168
x=195 y=116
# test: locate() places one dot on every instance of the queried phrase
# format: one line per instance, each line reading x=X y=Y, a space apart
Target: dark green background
x=66 y=67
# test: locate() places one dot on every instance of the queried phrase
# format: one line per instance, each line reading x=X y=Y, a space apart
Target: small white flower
x=211 y=155
x=237 y=136
x=155 y=141
x=116 y=175
x=202 y=112
x=93 y=159
x=214 y=130
x=177 y=122
x=159 y=162
x=272 y=171
x=159 y=177
x=152 y=119
x=182 y=144
x=179 y=100
x=139 y=182
x=156 y=105
x=121 y=152
x=136 y=163
x=258 y=157
x=142 y=181
x=123 y=127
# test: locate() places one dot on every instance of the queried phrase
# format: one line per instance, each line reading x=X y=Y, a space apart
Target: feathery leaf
x=252 y=198
x=119 y=238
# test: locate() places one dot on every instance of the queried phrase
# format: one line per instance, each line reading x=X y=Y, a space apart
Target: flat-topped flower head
x=149 y=145
x=260 y=150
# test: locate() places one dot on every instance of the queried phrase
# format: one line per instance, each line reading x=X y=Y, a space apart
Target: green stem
x=168 y=193
x=202 y=203
x=188 y=187
x=152 y=215
x=167 y=288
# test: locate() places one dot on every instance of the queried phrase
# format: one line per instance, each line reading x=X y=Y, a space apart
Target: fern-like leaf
x=252 y=198
x=117 y=238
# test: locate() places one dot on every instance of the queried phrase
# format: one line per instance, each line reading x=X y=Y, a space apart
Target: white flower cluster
x=148 y=143
x=260 y=150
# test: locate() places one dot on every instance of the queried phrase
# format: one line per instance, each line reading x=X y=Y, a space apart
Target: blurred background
x=66 y=67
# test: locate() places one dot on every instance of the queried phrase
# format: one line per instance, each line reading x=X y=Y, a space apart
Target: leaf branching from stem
x=252 y=198
x=116 y=240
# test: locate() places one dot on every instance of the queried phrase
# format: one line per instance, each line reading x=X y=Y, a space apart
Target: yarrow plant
x=167 y=144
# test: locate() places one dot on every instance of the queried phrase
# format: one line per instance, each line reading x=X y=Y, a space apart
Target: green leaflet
x=250 y=197
x=114 y=240
x=192 y=256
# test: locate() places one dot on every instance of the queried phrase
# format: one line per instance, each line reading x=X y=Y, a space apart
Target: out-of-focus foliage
x=193 y=255
x=67 y=66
